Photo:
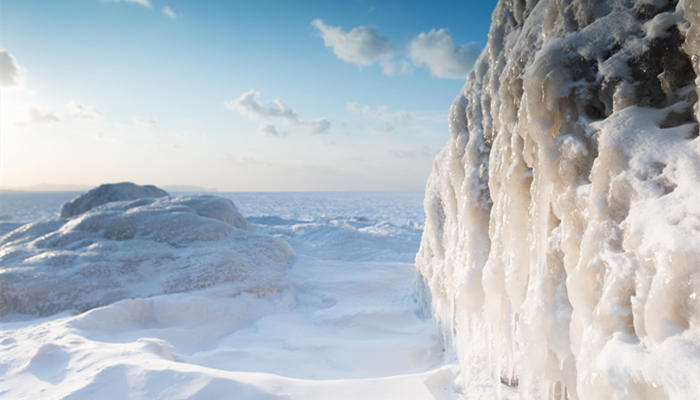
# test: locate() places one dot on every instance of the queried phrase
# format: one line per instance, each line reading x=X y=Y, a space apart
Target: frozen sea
x=349 y=326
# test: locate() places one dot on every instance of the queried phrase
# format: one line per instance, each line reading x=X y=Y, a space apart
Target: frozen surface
x=346 y=325
x=120 y=249
x=106 y=193
x=561 y=249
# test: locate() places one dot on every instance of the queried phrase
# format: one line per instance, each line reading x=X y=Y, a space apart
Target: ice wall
x=562 y=242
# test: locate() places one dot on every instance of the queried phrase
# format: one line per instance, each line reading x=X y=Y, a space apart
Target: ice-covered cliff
x=124 y=240
x=562 y=241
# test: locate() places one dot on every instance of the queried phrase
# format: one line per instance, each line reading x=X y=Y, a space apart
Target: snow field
x=342 y=327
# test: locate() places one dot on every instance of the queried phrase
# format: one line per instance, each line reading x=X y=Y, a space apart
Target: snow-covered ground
x=346 y=327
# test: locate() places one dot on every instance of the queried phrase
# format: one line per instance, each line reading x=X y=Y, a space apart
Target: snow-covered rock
x=134 y=248
x=562 y=243
x=106 y=193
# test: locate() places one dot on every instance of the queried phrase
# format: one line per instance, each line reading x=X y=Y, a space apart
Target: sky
x=233 y=95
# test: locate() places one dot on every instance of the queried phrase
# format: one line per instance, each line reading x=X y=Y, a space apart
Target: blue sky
x=241 y=96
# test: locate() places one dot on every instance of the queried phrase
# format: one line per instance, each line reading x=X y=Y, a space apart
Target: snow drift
x=562 y=242
x=123 y=241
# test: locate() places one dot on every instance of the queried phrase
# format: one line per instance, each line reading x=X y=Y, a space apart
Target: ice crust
x=561 y=249
x=112 y=249
x=106 y=193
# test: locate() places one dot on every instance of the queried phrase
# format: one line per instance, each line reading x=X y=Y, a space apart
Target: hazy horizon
x=176 y=188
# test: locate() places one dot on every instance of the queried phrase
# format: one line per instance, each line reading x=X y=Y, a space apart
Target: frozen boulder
x=136 y=248
x=107 y=193
x=561 y=249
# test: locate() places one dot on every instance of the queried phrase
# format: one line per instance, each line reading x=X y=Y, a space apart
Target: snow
x=107 y=193
x=560 y=251
x=559 y=254
x=134 y=248
x=342 y=327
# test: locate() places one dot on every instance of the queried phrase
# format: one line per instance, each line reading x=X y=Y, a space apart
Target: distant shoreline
x=42 y=188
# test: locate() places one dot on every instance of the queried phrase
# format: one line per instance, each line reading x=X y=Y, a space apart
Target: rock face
x=134 y=248
x=562 y=243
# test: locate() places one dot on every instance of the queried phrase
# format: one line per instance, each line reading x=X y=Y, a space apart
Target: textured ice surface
x=116 y=249
x=562 y=236
x=106 y=193
x=346 y=326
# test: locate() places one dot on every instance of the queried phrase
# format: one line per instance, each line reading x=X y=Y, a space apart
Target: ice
x=562 y=232
x=115 y=249
x=345 y=325
x=107 y=193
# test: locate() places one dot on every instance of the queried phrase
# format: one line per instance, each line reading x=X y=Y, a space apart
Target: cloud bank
x=9 y=70
x=435 y=50
x=247 y=104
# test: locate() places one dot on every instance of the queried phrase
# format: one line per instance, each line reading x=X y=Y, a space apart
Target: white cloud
x=247 y=104
x=361 y=45
x=168 y=12
x=9 y=70
x=317 y=126
x=434 y=50
x=36 y=115
x=437 y=51
x=144 y=3
x=270 y=130
x=405 y=68
x=82 y=111
x=149 y=123
x=391 y=67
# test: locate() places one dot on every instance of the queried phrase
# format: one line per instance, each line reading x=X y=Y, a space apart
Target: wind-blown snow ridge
x=125 y=241
x=562 y=241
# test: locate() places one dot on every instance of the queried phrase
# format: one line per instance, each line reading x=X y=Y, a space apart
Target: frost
x=125 y=242
x=562 y=237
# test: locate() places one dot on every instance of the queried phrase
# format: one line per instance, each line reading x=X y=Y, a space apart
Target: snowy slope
x=562 y=239
x=345 y=326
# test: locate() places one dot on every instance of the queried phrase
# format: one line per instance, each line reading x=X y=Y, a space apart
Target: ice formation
x=562 y=243
x=344 y=328
x=125 y=241
x=107 y=193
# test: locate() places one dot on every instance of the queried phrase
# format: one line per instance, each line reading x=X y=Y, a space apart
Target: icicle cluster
x=562 y=241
